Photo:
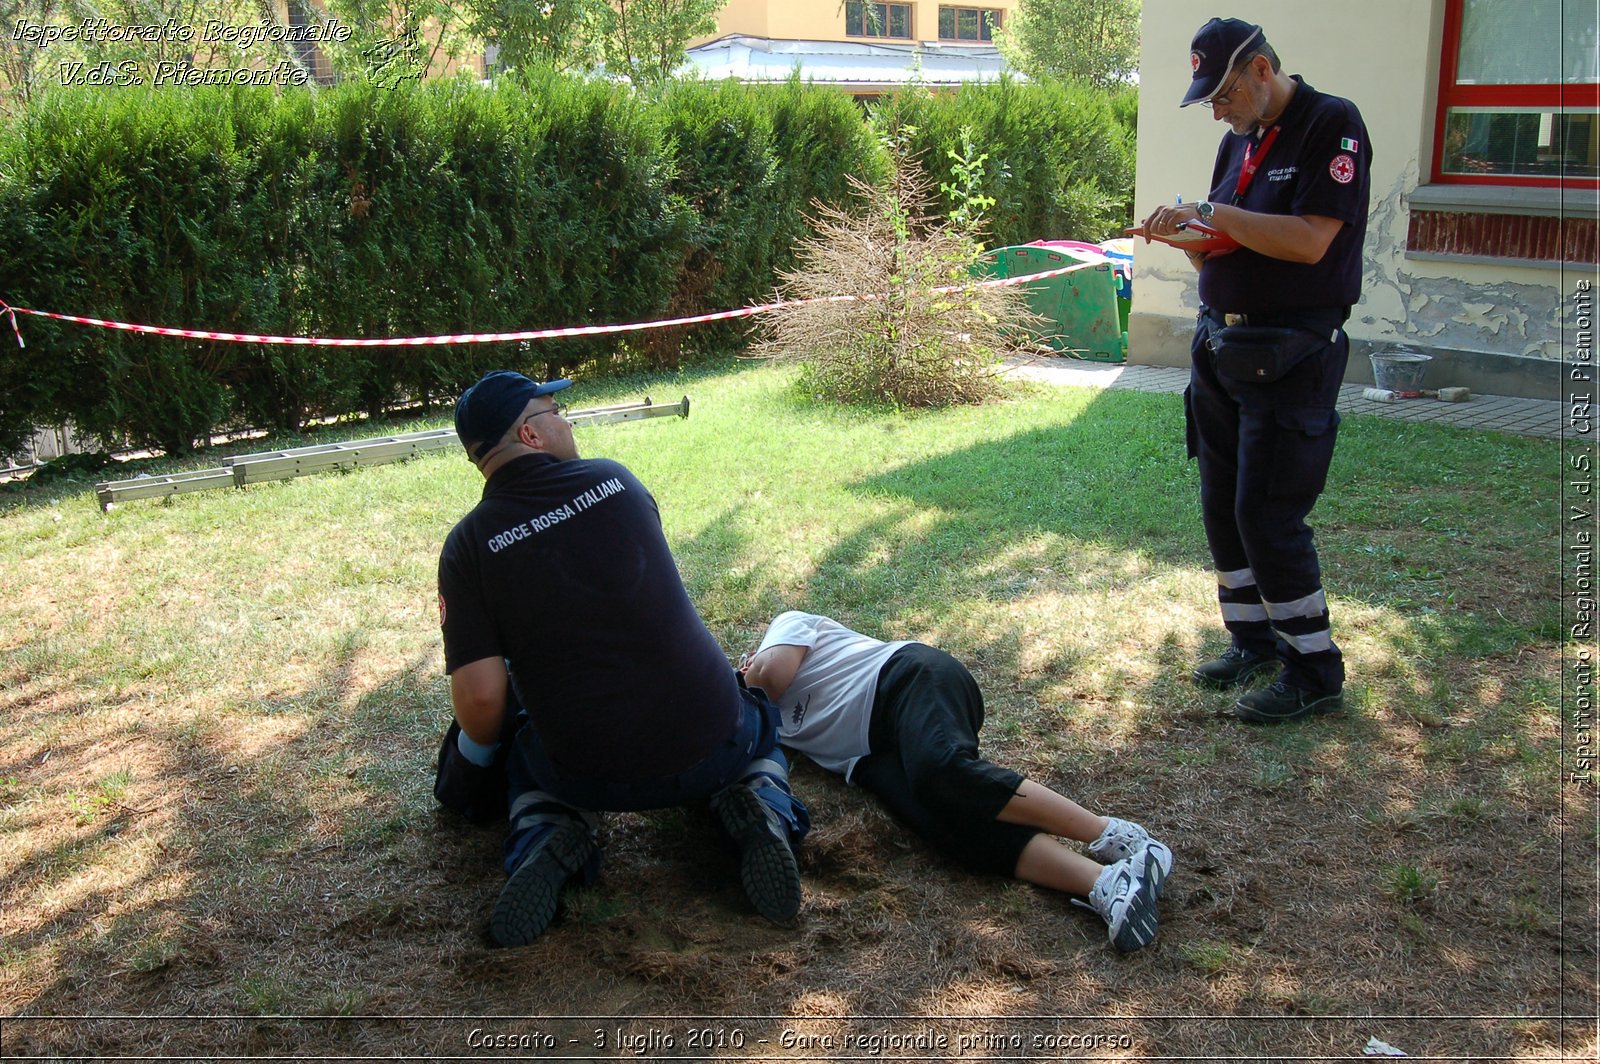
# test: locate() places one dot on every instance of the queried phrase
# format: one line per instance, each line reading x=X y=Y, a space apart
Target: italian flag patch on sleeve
x=1347 y=144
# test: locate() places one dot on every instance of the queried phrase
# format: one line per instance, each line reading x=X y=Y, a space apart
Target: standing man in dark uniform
x=581 y=676
x=1290 y=186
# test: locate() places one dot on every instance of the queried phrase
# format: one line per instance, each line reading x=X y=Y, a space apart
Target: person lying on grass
x=901 y=719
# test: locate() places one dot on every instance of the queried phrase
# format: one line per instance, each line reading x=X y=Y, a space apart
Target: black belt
x=1324 y=319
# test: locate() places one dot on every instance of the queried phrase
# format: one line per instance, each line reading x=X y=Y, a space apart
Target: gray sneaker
x=527 y=902
x=1123 y=840
x=767 y=867
x=1126 y=904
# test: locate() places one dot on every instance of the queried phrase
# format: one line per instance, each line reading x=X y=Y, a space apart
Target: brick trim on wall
x=1508 y=236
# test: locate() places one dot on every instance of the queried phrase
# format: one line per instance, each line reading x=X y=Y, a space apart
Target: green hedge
x=749 y=165
x=1060 y=154
x=443 y=208
x=361 y=211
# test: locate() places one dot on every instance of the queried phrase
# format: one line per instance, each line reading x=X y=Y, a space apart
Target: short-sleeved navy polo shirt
x=562 y=568
x=1319 y=163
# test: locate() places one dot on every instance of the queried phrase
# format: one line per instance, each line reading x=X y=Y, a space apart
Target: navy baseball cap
x=486 y=410
x=1215 y=50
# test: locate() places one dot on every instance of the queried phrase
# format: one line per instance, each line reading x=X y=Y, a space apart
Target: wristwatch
x=1204 y=211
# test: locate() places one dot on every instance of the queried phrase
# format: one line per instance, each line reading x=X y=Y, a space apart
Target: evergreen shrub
x=129 y=206
x=358 y=211
x=1060 y=160
x=448 y=207
x=749 y=161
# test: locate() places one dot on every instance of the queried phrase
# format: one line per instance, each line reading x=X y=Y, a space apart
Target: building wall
x=823 y=20
x=748 y=17
x=1491 y=326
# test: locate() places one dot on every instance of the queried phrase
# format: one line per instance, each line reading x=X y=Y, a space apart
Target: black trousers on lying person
x=925 y=766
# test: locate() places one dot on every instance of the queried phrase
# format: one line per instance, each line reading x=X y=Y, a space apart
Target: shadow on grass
x=309 y=816
x=1423 y=555
x=316 y=877
x=1120 y=727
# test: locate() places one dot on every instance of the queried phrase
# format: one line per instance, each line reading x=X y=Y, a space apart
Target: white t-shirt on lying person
x=827 y=710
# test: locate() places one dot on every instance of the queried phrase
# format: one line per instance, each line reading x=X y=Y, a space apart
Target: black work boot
x=767 y=868
x=1235 y=667
x=1280 y=703
x=527 y=902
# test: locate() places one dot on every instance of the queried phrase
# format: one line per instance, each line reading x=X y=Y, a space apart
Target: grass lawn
x=219 y=715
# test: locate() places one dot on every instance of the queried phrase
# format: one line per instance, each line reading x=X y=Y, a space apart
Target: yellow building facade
x=919 y=21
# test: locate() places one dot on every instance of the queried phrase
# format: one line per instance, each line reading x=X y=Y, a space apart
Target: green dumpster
x=1080 y=309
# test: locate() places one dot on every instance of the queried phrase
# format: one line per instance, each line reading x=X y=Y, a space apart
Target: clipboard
x=1191 y=236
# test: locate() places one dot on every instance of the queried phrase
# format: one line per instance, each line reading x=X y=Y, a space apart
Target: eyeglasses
x=1224 y=98
x=557 y=409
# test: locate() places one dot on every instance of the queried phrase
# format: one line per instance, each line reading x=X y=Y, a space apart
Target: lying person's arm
x=773 y=669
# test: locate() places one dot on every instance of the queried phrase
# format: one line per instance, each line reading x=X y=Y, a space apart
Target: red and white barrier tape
x=11 y=313
x=490 y=338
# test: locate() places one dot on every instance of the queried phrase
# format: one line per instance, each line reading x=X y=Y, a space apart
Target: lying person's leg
x=1123 y=894
x=928 y=712
x=985 y=846
x=1048 y=863
x=1110 y=839
x=927 y=716
x=1038 y=806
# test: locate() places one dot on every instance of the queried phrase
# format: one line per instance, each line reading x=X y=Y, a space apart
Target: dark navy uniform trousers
x=1264 y=451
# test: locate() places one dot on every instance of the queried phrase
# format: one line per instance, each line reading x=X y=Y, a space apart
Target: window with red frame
x=1515 y=109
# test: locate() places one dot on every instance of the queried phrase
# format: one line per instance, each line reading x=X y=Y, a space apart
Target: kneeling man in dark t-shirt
x=580 y=669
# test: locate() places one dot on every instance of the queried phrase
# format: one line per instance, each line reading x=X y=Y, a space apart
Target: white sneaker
x=1125 y=903
x=1123 y=840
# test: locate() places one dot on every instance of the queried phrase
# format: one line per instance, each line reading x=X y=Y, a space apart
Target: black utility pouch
x=477 y=792
x=1261 y=354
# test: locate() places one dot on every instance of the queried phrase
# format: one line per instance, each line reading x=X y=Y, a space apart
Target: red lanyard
x=1252 y=162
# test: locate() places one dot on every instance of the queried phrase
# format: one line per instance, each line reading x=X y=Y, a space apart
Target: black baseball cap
x=1215 y=50
x=486 y=410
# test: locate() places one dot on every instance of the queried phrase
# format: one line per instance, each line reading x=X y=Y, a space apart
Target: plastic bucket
x=1399 y=370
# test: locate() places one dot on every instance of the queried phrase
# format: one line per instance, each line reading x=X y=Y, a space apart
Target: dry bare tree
x=923 y=333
